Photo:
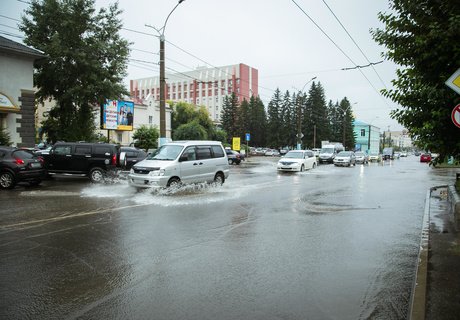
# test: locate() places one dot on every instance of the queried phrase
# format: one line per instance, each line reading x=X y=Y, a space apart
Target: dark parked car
x=95 y=160
x=233 y=156
x=17 y=165
x=132 y=156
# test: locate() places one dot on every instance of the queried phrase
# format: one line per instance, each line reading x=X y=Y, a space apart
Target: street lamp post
x=161 y=32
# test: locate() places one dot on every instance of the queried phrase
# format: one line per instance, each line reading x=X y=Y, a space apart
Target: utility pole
x=161 y=33
x=162 y=88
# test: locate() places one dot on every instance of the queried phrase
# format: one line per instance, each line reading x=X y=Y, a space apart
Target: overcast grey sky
x=276 y=37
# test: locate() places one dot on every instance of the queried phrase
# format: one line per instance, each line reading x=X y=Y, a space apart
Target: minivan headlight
x=160 y=172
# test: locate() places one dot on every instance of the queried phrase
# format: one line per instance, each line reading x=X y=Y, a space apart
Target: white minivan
x=181 y=162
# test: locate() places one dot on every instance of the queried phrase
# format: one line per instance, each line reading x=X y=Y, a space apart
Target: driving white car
x=297 y=160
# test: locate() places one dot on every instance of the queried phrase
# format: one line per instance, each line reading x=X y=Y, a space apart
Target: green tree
x=85 y=64
x=4 y=137
x=258 y=122
x=347 y=124
x=190 y=131
x=274 y=122
x=422 y=37
x=230 y=116
x=146 y=137
x=185 y=113
x=317 y=125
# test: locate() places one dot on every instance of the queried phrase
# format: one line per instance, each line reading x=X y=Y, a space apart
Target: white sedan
x=297 y=160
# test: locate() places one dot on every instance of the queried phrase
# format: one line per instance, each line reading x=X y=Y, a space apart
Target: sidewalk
x=437 y=289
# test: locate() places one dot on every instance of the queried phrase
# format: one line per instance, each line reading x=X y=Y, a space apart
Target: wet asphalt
x=329 y=243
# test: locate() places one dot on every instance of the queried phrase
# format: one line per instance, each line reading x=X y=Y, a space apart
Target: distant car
x=425 y=157
x=132 y=156
x=388 y=154
x=345 y=158
x=361 y=157
x=297 y=160
x=233 y=156
x=403 y=154
x=272 y=152
x=316 y=151
x=373 y=156
x=18 y=165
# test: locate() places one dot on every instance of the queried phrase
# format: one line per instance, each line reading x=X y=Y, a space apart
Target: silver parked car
x=345 y=158
x=361 y=157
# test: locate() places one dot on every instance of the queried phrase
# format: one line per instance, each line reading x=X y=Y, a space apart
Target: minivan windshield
x=327 y=150
x=166 y=152
x=294 y=154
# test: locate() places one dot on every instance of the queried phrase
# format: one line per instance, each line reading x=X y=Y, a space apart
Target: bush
x=4 y=137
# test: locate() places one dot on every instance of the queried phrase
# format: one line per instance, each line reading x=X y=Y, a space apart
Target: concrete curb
x=417 y=305
x=418 y=301
x=454 y=200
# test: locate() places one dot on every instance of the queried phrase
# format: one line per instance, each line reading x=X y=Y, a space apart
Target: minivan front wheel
x=96 y=175
x=219 y=179
x=173 y=182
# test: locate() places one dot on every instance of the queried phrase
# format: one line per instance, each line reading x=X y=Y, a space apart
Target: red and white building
x=203 y=86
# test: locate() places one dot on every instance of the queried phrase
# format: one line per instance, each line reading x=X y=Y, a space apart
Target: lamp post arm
x=167 y=18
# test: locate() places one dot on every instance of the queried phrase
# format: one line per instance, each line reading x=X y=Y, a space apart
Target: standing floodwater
x=327 y=243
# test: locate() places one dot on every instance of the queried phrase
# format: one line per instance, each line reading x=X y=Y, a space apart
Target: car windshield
x=294 y=155
x=166 y=152
x=344 y=154
x=359 y=154
x=327 y=150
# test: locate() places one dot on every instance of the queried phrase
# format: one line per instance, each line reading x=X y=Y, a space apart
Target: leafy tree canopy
x=190 y=131
x=85 y=64
x=422 y=37
x=146 y=137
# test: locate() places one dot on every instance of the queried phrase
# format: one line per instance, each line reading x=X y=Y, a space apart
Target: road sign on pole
x=454 y=81
x=248 y=137
x=456 y=115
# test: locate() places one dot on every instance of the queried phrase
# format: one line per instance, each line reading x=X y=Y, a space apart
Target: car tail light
x=19 y=161
x=114 y=160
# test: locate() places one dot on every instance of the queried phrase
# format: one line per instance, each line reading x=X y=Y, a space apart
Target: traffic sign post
x=456 y=115
x=454 y=81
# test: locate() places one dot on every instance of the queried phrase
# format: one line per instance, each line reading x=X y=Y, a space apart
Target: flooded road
x=329 y=243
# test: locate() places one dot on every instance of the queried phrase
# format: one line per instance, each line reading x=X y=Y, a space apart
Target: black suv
x=17 y=165
x=95 y=160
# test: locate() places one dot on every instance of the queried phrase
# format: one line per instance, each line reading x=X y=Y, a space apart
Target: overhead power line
x=365 y=66
x=356 y=44
x=340 y=49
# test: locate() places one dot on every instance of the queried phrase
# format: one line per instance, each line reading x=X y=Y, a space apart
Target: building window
x=120 y=137
x=150 y=119
x=363 y=132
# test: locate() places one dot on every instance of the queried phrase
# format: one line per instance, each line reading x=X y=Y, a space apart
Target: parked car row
x=94 y=160
x=173 y=163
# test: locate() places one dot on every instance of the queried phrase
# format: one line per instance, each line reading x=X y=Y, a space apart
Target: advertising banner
x=117 y=115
